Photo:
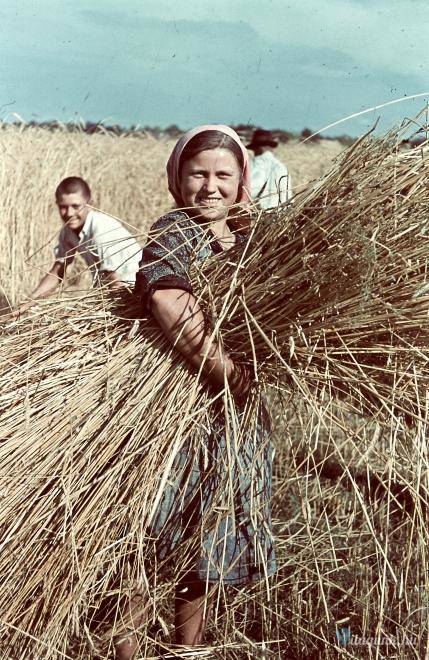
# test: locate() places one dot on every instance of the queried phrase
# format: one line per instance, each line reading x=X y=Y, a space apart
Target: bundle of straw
x=92 y=419
x=332 y=295
x=95 y=412
x=95 y=405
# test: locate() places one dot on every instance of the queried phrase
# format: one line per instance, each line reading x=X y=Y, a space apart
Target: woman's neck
x=223 y=233
x=220 y=229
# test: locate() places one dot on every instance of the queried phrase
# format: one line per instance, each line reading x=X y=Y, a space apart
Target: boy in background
x=109 y=249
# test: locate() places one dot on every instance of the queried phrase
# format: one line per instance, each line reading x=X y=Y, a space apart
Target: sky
x=271 y=63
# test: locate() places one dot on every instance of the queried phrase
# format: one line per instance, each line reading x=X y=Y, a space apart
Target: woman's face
x=209 y=183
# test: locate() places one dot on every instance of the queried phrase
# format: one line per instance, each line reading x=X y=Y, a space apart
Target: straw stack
x=95 y=405
x=332 y=294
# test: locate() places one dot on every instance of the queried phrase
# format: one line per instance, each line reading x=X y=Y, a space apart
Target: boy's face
x=73 y=210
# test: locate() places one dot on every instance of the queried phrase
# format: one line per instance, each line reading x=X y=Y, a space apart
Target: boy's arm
x=47 y=285
x=50 y=281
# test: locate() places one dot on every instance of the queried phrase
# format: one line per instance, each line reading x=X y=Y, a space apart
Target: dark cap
x=262 y=138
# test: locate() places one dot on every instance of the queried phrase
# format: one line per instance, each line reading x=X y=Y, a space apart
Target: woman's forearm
x=182 y=320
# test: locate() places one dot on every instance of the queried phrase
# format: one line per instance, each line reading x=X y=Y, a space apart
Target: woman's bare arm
x=182 y=320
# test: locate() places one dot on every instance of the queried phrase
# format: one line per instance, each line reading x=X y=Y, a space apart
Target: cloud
x=382 y=35
x=281 y=64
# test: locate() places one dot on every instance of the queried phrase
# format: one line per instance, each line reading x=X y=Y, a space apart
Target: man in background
x=270 y=180
x=110 y=251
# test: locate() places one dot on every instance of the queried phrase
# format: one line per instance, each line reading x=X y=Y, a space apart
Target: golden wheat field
x=127 y=178
x=349 y=520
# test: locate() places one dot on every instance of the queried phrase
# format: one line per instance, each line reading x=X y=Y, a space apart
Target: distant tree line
x=173 y=131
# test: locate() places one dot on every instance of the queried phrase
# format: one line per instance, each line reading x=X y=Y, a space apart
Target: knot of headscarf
x=173 y=164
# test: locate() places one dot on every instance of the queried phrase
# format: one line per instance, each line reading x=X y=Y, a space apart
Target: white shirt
x=104 y=244
x=270 y=181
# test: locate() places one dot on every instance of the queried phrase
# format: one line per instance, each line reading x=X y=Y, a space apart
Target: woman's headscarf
x=174 y=160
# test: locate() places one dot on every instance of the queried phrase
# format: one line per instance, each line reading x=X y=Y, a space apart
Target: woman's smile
x=210 y=200
x=210 y=183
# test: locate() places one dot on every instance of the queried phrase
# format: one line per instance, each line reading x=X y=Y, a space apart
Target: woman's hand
x=240 y=382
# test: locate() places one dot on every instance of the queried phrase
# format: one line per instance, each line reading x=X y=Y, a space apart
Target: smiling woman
x=227 y=466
